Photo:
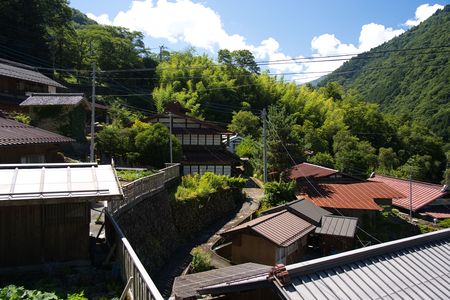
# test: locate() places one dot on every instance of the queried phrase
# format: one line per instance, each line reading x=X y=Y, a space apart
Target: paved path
x=253 y=198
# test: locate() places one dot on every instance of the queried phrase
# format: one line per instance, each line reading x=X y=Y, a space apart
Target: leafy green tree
x=152 y=144
x=282 y=146
x=243 y=59
x=278 y=192
x=353 y=156
x=201 y=261
x=387 y=159
x=245 y=123
x=322 y=159
x=252 y=149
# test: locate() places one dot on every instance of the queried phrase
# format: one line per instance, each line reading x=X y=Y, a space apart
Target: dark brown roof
x=15 y=133
x=310 y=171
x=208 y=130
x=208 y=155
x=188 y=285
x=282 y=228
x=44 y=99
x=20 y=71
x=347 y=194
x=305 y=209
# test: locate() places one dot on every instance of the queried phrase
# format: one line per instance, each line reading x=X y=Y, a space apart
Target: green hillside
x=410 y=83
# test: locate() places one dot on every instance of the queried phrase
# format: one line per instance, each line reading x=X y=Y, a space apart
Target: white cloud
x=202 y=27
x=101 y=19
x=423 y=12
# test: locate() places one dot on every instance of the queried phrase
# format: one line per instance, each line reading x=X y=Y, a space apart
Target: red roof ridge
x=319 y=166
x=407 y=181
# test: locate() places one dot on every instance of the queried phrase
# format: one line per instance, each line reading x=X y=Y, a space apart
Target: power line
x=312 y=185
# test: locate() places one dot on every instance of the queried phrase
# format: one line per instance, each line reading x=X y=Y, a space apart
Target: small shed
x=45 y=210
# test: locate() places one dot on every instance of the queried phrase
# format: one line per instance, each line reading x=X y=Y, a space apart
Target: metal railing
x=139 y=283
x=143 y=187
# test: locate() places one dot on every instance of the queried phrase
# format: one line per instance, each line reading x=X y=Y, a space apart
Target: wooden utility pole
x=161 y=49
x=93 y=114
x=170 y=136
x=264 y=119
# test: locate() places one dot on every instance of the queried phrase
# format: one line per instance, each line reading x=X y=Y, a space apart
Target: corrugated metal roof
x=44 y=99
x=310 y=171
x=413 y=268
x=338 y=226
x=188 y=285
x=282 y=228
x=423 y=193
x=15 y=133
x=12 y=71
x=45 y=182
x=348 y=194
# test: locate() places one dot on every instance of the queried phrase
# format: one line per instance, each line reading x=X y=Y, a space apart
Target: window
x=202 y=170
x=217 y=140
x=194 y=139
x=201 y=139
x=186 y=170
x=32 y=158
x=280 y=256
x=209 y=139
x=219 y=170
x=227 y=170
x=186 y=139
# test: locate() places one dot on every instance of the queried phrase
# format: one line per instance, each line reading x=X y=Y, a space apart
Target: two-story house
x=16 y=80
x=203 y=143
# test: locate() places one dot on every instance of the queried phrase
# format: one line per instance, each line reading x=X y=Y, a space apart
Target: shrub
x=195 y=186
x=445 y=223
x=201 y=261
x=278 y=192
x=22 y=118
x=12 y=292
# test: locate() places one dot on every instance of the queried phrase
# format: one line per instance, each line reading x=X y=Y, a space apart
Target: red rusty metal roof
x=15 y=133
x=282 y=228
x=423 y=193
x=310 y=171
x=348 y=194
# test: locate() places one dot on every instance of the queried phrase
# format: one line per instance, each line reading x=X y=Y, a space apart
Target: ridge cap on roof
x=319 y=166
x=332 y=261
x=57 y=94
x=407 y=180
x=337 y=216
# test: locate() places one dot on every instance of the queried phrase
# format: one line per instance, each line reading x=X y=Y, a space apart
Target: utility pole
x=264 y=119
x=93 y=114
x=410 y=198
x=161 y=49
x=170 y=137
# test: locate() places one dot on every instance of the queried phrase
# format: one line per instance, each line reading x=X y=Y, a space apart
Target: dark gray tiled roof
x=304 y=209
x=338 y=226
x=188 y=285
x=38 y=99
x=411 y=268
x=15 y=133
x=27 y=74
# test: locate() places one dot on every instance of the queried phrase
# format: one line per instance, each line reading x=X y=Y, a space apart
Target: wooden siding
x=13 y=154
x=35 y=234
x=251 y=248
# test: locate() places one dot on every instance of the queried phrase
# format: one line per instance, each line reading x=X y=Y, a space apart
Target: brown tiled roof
x=282 y=228
x=310 y=170
x=348 y=194
x=15 y=133
x=24 y=72
x=423 y=193
x=208 y=155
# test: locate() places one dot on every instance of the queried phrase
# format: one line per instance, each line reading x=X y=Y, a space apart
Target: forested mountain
x=328 y=125
x=412 y=83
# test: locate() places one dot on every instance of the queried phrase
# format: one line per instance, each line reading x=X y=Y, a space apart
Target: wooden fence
x=141 y=188
x=139 y=283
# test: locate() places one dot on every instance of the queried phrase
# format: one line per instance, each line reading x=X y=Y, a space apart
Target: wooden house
x=203 y=143
x=21 y=143
x=45 y=211
x=428 y=199
x=340 y=193
x=17 y=80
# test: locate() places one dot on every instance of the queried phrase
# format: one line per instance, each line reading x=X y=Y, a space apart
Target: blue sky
x=272 y=30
